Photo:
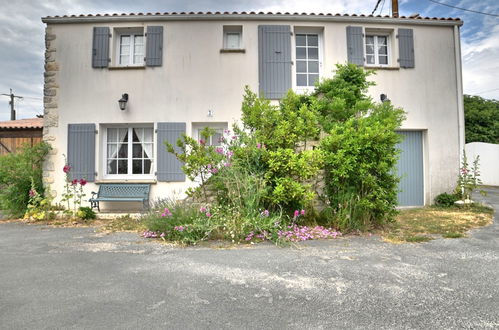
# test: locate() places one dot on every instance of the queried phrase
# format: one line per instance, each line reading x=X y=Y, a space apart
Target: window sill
x=152 y=181
x=224 y=50
x=379 y=67
x=136 y=67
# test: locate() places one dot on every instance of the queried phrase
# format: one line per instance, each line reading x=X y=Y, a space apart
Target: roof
x=244 y=15
x=29 y=123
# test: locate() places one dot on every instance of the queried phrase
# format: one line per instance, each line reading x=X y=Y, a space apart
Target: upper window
x=377 y=50
x=130 y=47
x=129 y=151
x=308 y=60
x=233 y=36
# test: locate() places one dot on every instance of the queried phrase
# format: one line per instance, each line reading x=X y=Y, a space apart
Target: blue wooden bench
x=121 y=193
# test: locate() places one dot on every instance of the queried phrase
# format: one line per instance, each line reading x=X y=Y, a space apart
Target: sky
x=22 y=31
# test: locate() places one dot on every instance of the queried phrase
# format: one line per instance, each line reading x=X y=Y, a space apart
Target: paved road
x=58 y=278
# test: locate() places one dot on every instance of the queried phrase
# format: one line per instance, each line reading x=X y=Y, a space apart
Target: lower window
x=129 y=151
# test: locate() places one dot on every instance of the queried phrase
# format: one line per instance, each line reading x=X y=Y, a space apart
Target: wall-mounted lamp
x=123 y=101
x=384 y=98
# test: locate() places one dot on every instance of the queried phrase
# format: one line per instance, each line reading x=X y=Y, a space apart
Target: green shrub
x=17 y=172
x=446 y=200
x=85 y=213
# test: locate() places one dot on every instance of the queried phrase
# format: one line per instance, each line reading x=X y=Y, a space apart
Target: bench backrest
x=124 y=190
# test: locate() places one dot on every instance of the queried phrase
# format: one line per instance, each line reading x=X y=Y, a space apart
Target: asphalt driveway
x=75 y=278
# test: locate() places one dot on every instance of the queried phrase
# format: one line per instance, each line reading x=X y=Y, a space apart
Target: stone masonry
x=51 y=111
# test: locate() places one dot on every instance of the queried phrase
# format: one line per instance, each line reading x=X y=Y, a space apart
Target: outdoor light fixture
x=384 y=98
x=122 y=102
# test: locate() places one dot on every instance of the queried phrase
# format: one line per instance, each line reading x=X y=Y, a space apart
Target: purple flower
x=166 y=213
x=219 y=150
x=230 y=153
x=234 y=137
x=201 y=141
x=179 y=228
x=214 y=170
x=265 y=213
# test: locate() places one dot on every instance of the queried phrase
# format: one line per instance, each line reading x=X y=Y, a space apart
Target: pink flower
x=208 y=214
x=265 y=213
x=258 y=145
x=74 y=182
x=234 y=137
x=66 y=168
x=230 y=153
x=202 y=209
x=214 y=170
x=296 y=214
x=201 y=141
x=302 y=212
x=227 y=164
x=219 y=150
x=226 y=131
x=83 y=182
x=166 y=213
x=32 y=193
x=179 y=228
x=162 y=235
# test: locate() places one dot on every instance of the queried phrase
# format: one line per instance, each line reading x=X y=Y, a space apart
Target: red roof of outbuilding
x=22 y=123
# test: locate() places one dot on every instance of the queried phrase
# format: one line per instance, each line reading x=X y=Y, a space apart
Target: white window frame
x=104 y=156
x=217 y=127
x=233 y=30
x=375 y=46
x=311 y=30
x=132 y=32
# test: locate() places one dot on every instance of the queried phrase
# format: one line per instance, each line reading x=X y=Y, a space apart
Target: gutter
x=250 y=17
x=459 y=94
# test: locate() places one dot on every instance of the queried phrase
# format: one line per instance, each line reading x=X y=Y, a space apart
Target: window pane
x=313 y=67
x=139 y=40
x=123 y=133
x=111 y=166
x=123 y=151
x=381 y=40
x=312 y=78
x=124 y=59
x=301 y=40
x=147 y=166
x=382 y=50
x=313 y=53
x=383 y=60
x=370 y=40
x=369 y=49
x=233 y=40
x=112 y=150
x=138 y=50
x=147 y=135
x=123 y=166
x=137 y=151
x=137 y=167
x=147 y=150
x=138 y=59
x=313 y=40
x=301 y=52
x=125 y=40
x=216 y=138
x=137 y=132
x=301 y=66
x=370 y=59
x=301 y=80
x=112 y=135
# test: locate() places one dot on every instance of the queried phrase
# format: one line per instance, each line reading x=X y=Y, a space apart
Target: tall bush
x=17 y=173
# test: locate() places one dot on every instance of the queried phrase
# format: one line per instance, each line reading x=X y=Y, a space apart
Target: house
x=176 y=73
x=16 y=133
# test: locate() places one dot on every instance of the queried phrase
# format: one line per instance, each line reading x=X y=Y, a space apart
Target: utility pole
x=11 y=102
x=395 y=8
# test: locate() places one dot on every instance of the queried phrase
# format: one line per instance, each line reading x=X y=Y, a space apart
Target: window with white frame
x=377 y=50
x=233 y=36
x=129 y=151
x=130 y=46
x=308 y=61
x=216 y=138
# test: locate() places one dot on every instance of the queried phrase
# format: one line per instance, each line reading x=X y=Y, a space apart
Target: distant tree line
x=481 y=119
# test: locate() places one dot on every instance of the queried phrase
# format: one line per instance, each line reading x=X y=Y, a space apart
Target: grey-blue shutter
x=406 y=48
x=81 y=151
x=355 y=45
x=100 y=47
x=169 y=167
x=154 y=46
x=274 y=60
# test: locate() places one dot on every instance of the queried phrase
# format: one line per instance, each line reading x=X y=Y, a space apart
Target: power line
x=382 y=6
x=470 y=10
x=376 y=7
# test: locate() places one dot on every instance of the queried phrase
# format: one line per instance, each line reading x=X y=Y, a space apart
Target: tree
x=481 y=119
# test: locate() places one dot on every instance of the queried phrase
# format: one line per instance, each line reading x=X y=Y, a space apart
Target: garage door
x=410 y=169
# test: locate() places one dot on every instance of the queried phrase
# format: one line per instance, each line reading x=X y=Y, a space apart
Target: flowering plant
x=73 y=191
x=469 y=177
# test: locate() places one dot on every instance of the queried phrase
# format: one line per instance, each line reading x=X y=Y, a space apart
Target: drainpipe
x=459 y=93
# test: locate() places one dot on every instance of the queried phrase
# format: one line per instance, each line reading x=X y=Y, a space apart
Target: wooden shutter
x=274 y=60
x=81 y=151
x=355 y=45
x=100 y=47
x=406 y=48
x=154 y=46
x=169 y=167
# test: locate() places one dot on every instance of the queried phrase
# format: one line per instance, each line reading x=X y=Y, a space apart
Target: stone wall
x=50 y=107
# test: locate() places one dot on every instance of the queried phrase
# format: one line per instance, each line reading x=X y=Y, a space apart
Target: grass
x=425 y=224
x=123 y=223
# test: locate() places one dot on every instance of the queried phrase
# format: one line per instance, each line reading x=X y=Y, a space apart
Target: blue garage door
x=410 y=169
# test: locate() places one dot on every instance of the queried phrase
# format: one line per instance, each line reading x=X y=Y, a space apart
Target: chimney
x=395 y=8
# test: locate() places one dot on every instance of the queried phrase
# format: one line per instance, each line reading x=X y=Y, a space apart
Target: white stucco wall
x=196 y=77
x=488 y=162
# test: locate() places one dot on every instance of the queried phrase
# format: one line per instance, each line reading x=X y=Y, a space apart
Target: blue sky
x=22 y=45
